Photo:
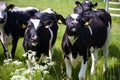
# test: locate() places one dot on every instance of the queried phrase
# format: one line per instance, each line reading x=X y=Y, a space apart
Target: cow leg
x=105 y=52
x=94 y=56
x=82 y=70
x=105 y=48
x=68 y=68
x=51 y=53
x=5 y=50
x=14 y=45
x=4 y=44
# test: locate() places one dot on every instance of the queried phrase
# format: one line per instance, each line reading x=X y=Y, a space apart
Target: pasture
x=65 y=7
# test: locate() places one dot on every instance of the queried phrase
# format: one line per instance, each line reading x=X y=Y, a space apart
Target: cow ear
x=10 y=7
x=78 y=3
x=48 y=24
x=95 y=5
x=60 y=19
x=86 y=20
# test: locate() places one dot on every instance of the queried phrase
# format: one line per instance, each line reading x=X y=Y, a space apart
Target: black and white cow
x=41 y=34
x=80 y=41
x=3 y=19
x=104 y=20
x=13 y=28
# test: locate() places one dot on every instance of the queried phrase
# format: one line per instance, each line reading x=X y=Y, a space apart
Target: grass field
x=57 y=72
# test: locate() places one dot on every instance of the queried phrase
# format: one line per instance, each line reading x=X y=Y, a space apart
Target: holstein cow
x=104 y=21
x=3 y=19
x=13 y=26
x=41 y=33
x=79 y=41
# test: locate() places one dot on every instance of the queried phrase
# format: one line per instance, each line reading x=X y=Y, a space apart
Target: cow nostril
x=74 y=23
x=34 y=38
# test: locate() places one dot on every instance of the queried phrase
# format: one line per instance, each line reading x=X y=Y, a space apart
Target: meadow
x=57 y=72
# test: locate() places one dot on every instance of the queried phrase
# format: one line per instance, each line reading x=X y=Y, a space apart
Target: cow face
x=85 y=6
x=73 y=23
x=31 y=30
x=88 y=5
x=3 y=12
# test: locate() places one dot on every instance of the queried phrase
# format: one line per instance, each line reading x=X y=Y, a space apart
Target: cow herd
x=87 y=31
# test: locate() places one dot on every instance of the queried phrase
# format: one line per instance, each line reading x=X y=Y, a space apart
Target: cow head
x=31 y=31
x=83 y=7
x=88 y=5
x=3 y=11
x=74 y=23
x=49 y=16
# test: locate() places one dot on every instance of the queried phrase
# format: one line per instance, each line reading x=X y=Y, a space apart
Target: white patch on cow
x=76 y=61
x=72 y=39
x=90 y=30
x=94 y=56
x=35 y=22
x=68 y=68
x=82 y=70
x=50 y=44
x=74 y=16
x=87 y=1
x=3 y=7
x=105 y=48
x=15 y=9
x=48 y=10
x=73 y=29
x=1 y=15
x=34 y=43
x=6 y=40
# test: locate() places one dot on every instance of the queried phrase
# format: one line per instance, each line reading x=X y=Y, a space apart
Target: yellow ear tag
x=47 y=26
x=23 y=26
x=59 y=21
x=86 y=24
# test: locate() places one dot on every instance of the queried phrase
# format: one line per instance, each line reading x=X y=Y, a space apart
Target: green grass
x=57 y=72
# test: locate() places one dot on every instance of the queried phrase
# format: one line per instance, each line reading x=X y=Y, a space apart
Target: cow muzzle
x=34 y=40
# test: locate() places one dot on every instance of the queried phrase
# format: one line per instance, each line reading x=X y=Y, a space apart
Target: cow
x=80 y=41
x=41 y=33
x=3 y=19
x=105 y=18
x=13 y=27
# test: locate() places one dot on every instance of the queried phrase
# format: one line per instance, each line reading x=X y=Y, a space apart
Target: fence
x=115 y=9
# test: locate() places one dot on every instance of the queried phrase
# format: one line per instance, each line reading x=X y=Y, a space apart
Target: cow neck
x=72 y=38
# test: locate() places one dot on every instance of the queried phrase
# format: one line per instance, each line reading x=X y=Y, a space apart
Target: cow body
x=99 y=18
x=13 y=29
x=79 y=40
x=45 y=27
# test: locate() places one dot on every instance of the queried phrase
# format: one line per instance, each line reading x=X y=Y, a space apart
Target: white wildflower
x=7 y=61
x=17 y=62
x=51 y=63
x=18 y=77
x=28 y=71
x=45 y=72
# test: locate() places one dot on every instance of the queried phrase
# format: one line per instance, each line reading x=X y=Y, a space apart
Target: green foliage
x=57 y=72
